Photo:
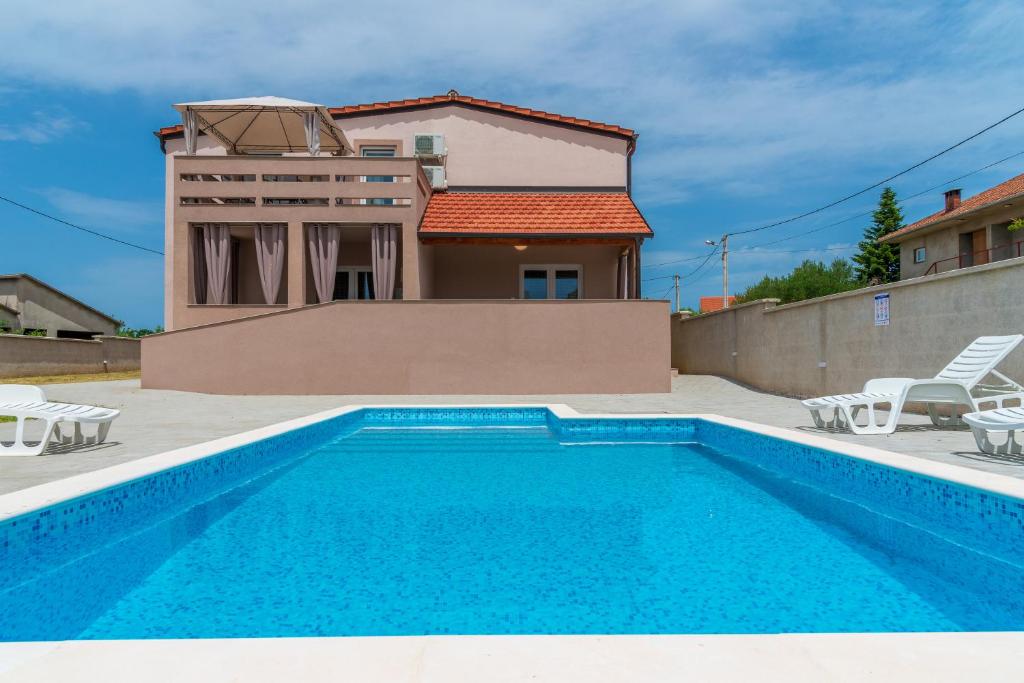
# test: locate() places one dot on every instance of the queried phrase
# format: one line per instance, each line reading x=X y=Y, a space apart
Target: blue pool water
x=412 y=530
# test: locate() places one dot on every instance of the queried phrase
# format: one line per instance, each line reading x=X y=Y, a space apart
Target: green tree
x=808 y=280
x=136 y=333
x=877 y=262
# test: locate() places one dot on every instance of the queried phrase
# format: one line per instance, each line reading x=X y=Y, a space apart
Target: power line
x=884 y=180
x=703 y=263
x=856 y=216
x=899 y=201
x=790 y=251
x=79 y=227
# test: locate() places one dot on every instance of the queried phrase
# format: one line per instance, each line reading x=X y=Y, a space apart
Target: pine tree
x=878 y=263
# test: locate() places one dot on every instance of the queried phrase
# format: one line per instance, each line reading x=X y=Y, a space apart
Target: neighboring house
x=32 y=305
x=464 y=198
x=964 y=233
x=714 y=303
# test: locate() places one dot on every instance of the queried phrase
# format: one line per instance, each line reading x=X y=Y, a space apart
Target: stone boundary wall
x=831 y=344
x=22 y=356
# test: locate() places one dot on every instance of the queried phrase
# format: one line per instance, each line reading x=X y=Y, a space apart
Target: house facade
x=30 y=305
x=477 y=200
x=466 y=245
x=966 y=232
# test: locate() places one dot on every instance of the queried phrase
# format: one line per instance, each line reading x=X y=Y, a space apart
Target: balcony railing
x=241 y=184
x=966 y=259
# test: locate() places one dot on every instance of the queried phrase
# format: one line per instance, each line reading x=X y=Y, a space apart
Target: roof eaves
x=59 y=292
x=942 y=218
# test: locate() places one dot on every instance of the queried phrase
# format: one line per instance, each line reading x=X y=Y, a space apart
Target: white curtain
x=217 y=245
x=188 y=119
x=270 y=241
x=312 y=124
x=384 y=246
x=323 y=240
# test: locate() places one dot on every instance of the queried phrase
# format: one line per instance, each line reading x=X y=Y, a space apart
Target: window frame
x=924 y=254
x=363 y=149
x=551 y=269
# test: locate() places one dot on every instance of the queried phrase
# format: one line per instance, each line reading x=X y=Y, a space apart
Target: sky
x=749 y=112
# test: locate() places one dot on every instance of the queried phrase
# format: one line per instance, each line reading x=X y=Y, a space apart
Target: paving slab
x=153 y=421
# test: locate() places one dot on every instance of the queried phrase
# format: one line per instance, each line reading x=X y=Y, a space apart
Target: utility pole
x=725 y=271
x=724 y=244
x=676 y=280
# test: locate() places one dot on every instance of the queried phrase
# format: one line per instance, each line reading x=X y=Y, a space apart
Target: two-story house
x=966 y=232
x=275 y=205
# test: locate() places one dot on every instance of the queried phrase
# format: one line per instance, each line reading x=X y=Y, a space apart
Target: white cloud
x=742 y=98
x=103 y=213
x=42 y=127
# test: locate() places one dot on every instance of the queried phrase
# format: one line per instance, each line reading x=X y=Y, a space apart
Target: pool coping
x=27 y=500
x=727 y=657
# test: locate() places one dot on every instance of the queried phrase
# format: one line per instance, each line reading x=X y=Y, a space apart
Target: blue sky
x=748 y=112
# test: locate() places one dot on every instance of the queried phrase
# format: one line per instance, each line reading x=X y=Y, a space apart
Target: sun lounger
x=29 y=403
x=958 y=384
x=1008 y=421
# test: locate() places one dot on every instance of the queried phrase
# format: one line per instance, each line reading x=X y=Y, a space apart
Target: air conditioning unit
x=436 y=176
x=429 y=146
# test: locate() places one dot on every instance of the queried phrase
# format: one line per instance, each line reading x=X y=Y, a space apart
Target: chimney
x=952 y=199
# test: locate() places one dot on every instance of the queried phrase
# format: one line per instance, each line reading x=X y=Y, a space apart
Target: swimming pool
x=415 y=521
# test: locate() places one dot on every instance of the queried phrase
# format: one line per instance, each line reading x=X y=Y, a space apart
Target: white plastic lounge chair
x=27 y=402
x=959 y=383
x=1008 y=421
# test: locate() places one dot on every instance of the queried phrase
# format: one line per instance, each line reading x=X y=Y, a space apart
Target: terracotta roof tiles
x=1014 y=187
x=525 y=213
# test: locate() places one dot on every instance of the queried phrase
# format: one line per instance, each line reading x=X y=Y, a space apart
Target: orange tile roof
x=713 y=303
x=536 y=213
x=358 y=109
x=1014 y=187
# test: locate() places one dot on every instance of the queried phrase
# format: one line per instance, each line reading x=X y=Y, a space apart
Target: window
x=550 y=282
x=379 y=152
x=353 y=282
x=919 y=255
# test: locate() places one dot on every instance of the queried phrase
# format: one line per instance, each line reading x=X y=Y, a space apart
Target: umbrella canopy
x=263 y=124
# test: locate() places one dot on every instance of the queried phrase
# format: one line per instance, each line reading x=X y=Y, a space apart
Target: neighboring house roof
x=464 y=100
x=533 y=214
x=713 y=303
x=1011 y=189
x=18 y=276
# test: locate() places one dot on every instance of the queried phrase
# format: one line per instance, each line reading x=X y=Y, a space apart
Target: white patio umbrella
x=263 y=124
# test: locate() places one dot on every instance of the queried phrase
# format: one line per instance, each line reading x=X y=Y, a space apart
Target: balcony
x=248 y=188
x=977 y=258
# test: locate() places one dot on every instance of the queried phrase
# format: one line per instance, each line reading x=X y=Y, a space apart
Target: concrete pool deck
x=905 y=657
x=155 y=421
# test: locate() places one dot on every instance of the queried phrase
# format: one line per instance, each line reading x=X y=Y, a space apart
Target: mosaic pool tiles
x=43 y=538
x=455 y=416
x=908 y=511
x=962 y=513
x=619 y=428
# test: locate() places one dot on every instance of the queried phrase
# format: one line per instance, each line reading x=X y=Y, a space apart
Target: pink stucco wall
x=491 y=149
x=422 y=347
